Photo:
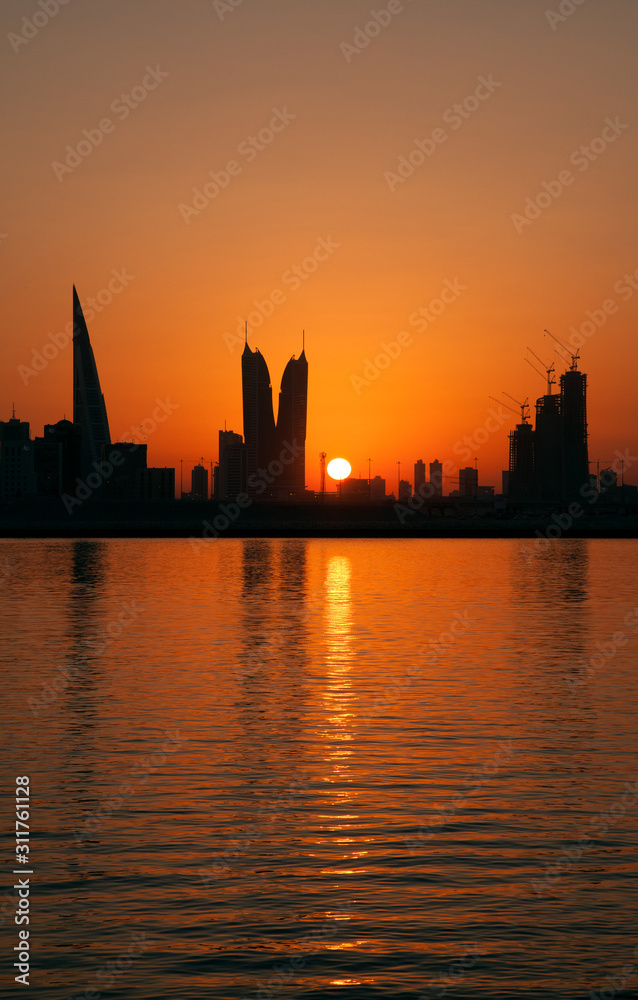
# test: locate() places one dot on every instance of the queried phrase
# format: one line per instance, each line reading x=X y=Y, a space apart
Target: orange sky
x=330 y=173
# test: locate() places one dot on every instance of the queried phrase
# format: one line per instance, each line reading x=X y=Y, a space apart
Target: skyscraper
x=231 y=471
x=263 y=440
x=436 y=478
x=89 y=409
x=521 y=463
x=259 y=422
x=468 y=482
x=573 y=390
x=17 y=476
x=291 y=421
x=548 y=448
x=419 y=476
x=199 y=483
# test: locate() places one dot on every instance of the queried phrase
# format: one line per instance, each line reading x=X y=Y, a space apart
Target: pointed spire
x=79 y=323
x=247 y=349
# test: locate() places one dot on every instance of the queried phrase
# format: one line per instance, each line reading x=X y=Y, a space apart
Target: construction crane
x=549 y=370
x=574 y=357
x=522 y=406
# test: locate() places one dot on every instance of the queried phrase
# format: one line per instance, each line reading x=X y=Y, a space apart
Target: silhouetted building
x=89 y=409
x=377 y=489
x=156 y=484
x=405 y=491
x=505 y=482
x=17 y=474
x=521 y=484
x=199 y=483
x=548 y=449
x=436 y=478
x=259 y=422
x=352 y=489
x=468 y=482
x=231 y=470
x=291 y=422
x=58 y=459
x=265 y=442
x=123 y=460
x=608 y=479
x=573 y=390
x=419 y=477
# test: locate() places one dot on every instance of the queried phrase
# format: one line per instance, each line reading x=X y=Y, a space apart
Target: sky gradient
x=260 y=163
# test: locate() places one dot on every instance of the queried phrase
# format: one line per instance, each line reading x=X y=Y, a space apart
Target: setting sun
x=339 y=468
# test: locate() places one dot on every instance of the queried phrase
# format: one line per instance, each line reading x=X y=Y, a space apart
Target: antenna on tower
x=574 y=357
x=13 y=415
x=549 y=371
x=303 y=341
x=322 y=469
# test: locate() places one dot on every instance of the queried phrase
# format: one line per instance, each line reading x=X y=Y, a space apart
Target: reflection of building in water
x=269 y=668
x=273 y=602
x=549 y=582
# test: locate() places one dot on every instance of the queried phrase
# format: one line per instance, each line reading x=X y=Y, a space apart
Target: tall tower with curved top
x=259 y=421
x=89 y=408
x=291 y=421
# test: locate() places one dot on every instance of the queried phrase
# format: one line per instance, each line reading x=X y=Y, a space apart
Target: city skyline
x=468 y=249
x=548 y=462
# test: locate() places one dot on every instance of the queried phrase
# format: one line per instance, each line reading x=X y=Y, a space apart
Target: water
x=251 y=775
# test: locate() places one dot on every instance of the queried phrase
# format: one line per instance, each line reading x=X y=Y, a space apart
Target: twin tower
x=266 y=441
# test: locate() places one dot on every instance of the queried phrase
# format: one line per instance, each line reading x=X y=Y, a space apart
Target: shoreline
x=211 y=519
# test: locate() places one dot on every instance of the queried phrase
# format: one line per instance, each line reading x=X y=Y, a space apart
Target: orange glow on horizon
x=274 y=177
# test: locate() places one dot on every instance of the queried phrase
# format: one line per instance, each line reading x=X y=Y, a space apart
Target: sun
x=339 y=469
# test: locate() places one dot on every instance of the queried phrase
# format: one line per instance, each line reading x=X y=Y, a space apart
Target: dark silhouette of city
x=76 y=461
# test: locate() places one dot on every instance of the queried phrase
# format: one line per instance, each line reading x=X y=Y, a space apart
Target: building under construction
x=550 y=463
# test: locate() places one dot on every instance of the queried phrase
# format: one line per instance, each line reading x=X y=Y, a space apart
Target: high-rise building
x=199 y=483
x=521 y=463
x=436 y=478
x=264 y=441
x=419 y=477
x=58 y=459
x=573 y=390
x=560 y=458
x=17 y=475
x=548 y=449
x=125 y=460
x=468 y=482
x=259 y=422
x=89 y=408
x=291 y=422
x=377 y=489
x=156 y=484
x=405 y=490
x=230 y=480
